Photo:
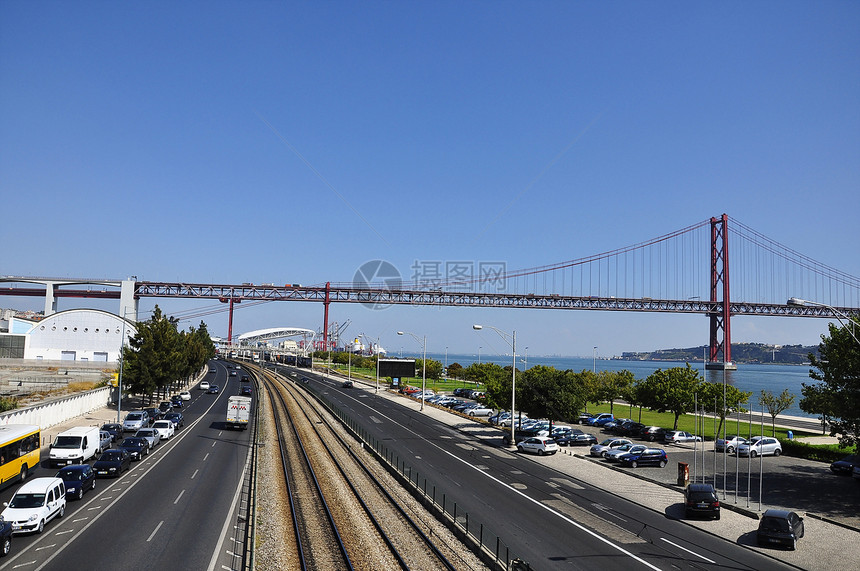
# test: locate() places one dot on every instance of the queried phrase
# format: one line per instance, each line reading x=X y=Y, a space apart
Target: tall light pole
x=423 y=364
x=594 y=359
x=119 y=379
x=513 y=344
x=839 y=315
x=377 y=364
x=479 y=354
x=446 y=362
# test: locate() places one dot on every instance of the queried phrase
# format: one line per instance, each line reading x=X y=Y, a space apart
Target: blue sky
x=291 y=142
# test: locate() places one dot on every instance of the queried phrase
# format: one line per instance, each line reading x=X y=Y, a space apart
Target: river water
x=752 y=377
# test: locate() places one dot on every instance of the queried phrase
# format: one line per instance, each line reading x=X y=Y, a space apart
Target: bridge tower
x=720 y=354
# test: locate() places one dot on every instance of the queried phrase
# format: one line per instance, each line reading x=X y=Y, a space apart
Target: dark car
x=583 y=439
x=5 y=538
x=630 y=428
x=176 y=418
x=614 y=426
x=137 y=447
x=176 y=401
x=647 y=457
x=114 y=429
x=780 y=527
x=112 y=462
x=520 y=435
x=213 y=389
x=584 y=418
x=245 y=391
x=701 y=499
x=78 y=478
x=347 y=384
x=652 y=433
x=245 y=379
x=461 y=392
x=845 y=466
x=165 y=407
x=154 y=414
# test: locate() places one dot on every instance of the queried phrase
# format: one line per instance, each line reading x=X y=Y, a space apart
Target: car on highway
x=213 y=390
x=347 y=384
x=105 y=440
x=165 y=428
x=137 y=447
x=115 y=430
x=647 y=457
x=204 y=385
x=165 y=407
x=176 y=402
x=5 y=538
x=540 y=445
x=176 y=418
x=760 y=446
x=151 y=436
x=679 y=436
x=232 y=373
x=34 y=504
x=729 y=444
x=599 y=449
x=480 y=410
x=78 y=479
x=112 y=462
x=845 y=467
x=245 y=391
x=779 y=527
x=613 y=454
x=701 y=500
x=154 y=414
x=185 y=395
x=135 y=420
x=576 y=439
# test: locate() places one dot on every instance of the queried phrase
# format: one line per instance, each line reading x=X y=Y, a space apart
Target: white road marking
x=176 y=501
x=194 y=474
x=687 y=550
x=154 y=531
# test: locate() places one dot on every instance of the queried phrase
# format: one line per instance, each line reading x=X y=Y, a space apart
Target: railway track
x=343 y=516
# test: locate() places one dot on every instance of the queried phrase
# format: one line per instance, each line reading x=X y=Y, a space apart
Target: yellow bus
x=19 y=451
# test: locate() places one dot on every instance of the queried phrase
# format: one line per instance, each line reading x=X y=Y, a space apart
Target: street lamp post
x=594 y=359
x=423 y=364
x=839 y=315
x=513 y=344
x=377 y=364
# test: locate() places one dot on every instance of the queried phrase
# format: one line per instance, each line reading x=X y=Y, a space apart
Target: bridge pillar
x=50 y=298
x=128 y=305
x=720 y=355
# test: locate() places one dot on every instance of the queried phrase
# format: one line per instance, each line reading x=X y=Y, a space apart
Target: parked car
x=612 y=454
x=600 y=419
x=112 y=462
x=599 y=449
x=165 y=428
x=679 y=436
x=34 y=504
x=779 y=527
x=204 y=385
x=845 y=467
x=185 y=395
x=213 y=390
x=137 y=447
x=540 y=445
x=135 y=420
x=614 y=425
x=701 y=499
x=480 y=410
x=652 y=433
x=584 y=418
x=78 y=478
x=115 y=430
x=176 y=418
x=150 y=435
x=729 y=444
x=647 y=457
x=760 y=445
x=577 y=439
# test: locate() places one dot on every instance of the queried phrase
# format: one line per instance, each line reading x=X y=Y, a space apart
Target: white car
x=185 y=395
x=480 y=410
x=540 y=445
x=760 y=445
x=606 y=445
x=151 y=436
x=677 y=436
x=165 y=429
x=729 y=444
x=204 y=385
x=34 y=504
x=612 y=454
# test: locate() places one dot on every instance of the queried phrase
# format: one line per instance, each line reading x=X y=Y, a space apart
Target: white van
x=74 y=446
x=34 y=504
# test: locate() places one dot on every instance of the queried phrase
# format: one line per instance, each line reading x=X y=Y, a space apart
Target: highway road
x=168 y=511
x=544 y=516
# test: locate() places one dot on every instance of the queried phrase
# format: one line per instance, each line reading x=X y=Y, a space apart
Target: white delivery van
x=74 y=446
x=238 y=411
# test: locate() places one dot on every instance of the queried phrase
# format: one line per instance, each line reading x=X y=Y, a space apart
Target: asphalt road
x=167 y=512
x=545 y=517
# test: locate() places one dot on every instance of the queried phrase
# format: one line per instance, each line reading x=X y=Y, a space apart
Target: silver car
x=150 y=435
x=729 y=444
x=761 y=445
x=135 y=420
x=612 y=454
x=606 y=445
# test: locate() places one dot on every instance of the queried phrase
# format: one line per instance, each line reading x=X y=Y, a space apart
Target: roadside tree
x=710 y=397
x=775 y=404
x=672 y=390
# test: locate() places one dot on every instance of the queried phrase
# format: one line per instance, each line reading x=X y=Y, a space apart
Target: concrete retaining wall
x=53 y=412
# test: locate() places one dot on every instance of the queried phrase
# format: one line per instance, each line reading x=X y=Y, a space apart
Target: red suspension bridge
x=686 y=271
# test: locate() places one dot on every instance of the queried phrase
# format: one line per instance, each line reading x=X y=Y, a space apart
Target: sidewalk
x=824 y=545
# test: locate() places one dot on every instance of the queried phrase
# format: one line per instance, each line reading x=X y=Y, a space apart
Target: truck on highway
x=238 y=411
